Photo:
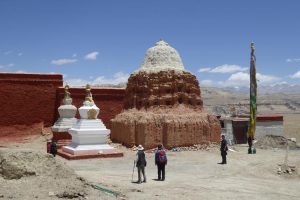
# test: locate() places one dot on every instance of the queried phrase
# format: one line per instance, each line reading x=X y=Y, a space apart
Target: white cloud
x=223 y=69
x=6 y=66
x=292 y=60
x=279 y=83
x=206 y=83
x=117 y=78
x=296 y=75
x=76 y=82
x=64 y=75
x=240 y=76
x=63 y=61
x=243 y=79
x=91 y=56
x=266 y=78
x=206 y=69
x=228 y=69
x=8 y=52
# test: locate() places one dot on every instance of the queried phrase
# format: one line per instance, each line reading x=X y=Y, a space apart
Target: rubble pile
x=28 y=174
x=274 y=141
x=195 y=147
x=286 y=169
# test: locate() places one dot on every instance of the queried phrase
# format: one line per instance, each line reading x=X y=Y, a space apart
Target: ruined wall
x=164 y=89
x=109 y=100
x=134 y=127
x=27 y=102
x=164 y=107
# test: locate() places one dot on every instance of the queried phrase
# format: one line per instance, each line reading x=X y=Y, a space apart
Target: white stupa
x=89 y=134
x=67 y=113
x=161 y=57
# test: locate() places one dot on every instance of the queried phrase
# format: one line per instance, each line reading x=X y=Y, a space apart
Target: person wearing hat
x=223 y=150
x=141 y=163
x=160 y=162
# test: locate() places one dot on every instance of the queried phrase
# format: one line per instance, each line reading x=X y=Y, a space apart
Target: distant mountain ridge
x=272 y=99
x=283 y=88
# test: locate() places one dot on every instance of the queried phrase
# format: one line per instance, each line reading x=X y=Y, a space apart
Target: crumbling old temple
x=163 y=104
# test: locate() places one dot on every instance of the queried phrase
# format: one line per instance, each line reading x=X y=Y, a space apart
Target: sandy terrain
x=190 y=175
x=196 y=175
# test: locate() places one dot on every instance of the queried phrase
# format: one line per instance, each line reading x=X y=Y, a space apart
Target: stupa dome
x=161 y=57
x=163 y=105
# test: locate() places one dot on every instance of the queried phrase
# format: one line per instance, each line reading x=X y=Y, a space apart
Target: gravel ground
x=189 y=175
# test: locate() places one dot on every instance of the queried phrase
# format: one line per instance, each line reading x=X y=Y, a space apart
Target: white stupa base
x=88 y=149
x=89 y=136
x=63 y=124
x=89 y=132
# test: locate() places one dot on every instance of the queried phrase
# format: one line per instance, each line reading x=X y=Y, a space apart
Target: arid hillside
x=228 y=101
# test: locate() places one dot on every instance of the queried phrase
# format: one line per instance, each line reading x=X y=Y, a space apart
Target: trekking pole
x=133 y=171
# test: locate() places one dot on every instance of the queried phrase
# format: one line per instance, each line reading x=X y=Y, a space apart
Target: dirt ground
x=189 y=175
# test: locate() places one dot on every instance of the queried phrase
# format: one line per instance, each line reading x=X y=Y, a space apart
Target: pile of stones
x=195 y=147
x=286 y=169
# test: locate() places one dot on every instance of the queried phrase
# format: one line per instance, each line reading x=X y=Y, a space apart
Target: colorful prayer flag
x=253 y=94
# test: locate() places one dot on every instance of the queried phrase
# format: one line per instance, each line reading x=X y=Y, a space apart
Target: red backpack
x=162 y=157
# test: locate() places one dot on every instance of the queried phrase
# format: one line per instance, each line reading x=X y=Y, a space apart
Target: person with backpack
x=141 y=163
x=223 y=149
x=160 y=162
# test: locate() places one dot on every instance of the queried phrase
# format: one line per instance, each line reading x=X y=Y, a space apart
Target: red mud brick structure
x=163 y=104
x=29 y=102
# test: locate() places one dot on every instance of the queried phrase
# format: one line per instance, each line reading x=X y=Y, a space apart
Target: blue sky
x=105 y=41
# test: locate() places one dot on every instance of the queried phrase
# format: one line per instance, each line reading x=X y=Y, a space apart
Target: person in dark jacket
x=223 y=150
x=141 y=163
x=160 y=162
x=53 y=148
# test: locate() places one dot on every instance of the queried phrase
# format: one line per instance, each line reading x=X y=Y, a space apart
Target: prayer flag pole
x=253 y=95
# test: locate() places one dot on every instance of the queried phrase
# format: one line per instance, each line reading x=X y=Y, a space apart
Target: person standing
x=48 y=146
x=53 y=148
x=160 y=162
x=223 y=150
x=141 y=163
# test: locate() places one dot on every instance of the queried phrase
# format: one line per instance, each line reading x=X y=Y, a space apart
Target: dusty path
x=196 y=175
x=192 y=174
